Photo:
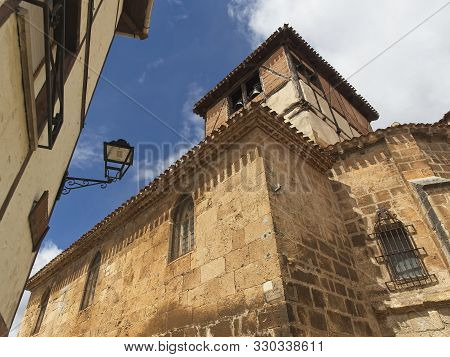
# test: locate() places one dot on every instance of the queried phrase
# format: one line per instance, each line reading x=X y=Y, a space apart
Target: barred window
x=42 y=308
x=183 y=239
x=91 y=282
x=400 y=254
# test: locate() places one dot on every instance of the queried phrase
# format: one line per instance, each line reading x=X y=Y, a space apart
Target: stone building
x=51 y=56
x=262 y=230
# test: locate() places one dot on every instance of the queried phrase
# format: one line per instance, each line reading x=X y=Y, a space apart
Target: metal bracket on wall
x=74 y=183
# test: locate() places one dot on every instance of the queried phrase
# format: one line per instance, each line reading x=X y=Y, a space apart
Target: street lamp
x=118 y=157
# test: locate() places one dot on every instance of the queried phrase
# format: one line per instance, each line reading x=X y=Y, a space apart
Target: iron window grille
x=400 y=253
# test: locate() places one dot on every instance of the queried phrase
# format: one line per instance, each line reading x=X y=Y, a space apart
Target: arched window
x=183 y=227
x=400 y=253
x=42 y=308
x=91 y=282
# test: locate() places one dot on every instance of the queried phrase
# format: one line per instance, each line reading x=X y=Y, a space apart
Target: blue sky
x=148 y=87
x=165 y=74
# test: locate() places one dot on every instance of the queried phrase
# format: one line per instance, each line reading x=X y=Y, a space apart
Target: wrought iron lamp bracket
x=74 y=183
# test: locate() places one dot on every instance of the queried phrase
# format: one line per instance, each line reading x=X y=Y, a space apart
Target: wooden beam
x=23 y=21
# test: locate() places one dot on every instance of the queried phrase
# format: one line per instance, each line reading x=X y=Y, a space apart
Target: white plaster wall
x=13 y=122
x=315 y=128
x=46 y=167
x=343 y=124
x=308 y=93
x=283 y=98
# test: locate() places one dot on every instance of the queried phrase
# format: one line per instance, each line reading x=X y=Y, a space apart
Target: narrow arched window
x=400 y=253
x=42 y=308
x=91 y=282
x=183 y=227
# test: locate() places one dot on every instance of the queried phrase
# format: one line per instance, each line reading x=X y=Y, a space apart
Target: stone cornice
x=439 y=128
x=381 y=309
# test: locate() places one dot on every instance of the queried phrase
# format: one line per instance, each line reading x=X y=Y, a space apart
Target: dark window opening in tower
x=253 y=87
x=236 y=100
x=307 y=74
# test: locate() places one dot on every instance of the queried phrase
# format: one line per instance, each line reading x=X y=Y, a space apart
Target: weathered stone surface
x=212 y=270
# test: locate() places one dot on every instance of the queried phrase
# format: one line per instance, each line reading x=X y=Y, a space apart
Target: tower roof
x=286 y=35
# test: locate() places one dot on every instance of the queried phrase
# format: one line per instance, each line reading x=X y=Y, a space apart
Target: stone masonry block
x=212 y=269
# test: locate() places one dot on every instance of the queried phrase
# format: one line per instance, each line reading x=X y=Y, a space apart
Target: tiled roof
x=284 y=35
x=239 y=124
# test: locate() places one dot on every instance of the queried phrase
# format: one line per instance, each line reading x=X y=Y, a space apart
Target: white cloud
x=150 y=66
x=141 y=78
x=192 y=125
x=408 y=83
x=89 y=150
x=183 y=15
x=48 y=251
x=154 y=159
x=175 y=2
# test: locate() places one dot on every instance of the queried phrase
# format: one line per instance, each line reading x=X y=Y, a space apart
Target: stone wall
x=437 y=154
x=431 y=322
x=323 y=294
x=282 y=249
x=230 y=284
x=375 y=176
